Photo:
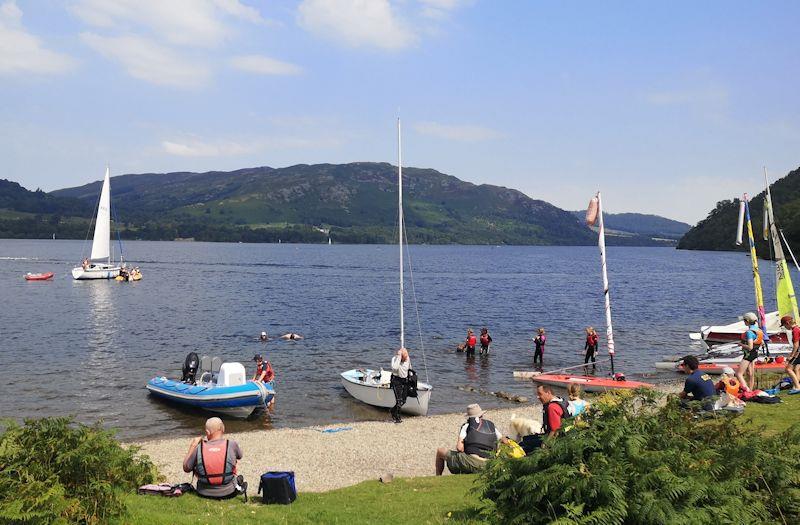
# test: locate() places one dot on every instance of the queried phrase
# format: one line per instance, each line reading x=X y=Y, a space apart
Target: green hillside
x=718 y=230
x=38 y=215
x=640 y=228
x=354 y=203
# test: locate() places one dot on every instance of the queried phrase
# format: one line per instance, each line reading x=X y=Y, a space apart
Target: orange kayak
x=39 y=276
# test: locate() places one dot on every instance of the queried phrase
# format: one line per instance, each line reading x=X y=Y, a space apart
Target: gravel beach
x=328 y=460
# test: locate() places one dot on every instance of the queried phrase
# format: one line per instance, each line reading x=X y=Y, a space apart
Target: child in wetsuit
x=539 y=341
x=591 y=346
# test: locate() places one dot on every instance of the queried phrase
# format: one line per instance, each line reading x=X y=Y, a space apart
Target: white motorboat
x=372 y=387
x=99 y=265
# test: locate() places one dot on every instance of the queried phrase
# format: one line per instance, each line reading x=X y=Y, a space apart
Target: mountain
x=718 y=230
x=640 y=228
x=352 y=203
x=38 y=215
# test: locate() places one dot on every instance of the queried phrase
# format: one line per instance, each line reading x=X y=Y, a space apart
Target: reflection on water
x=109 y=338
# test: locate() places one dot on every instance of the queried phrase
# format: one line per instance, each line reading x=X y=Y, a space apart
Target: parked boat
x=371 y=386
x=594 y=214
x=39 y=276
x=762 y=365
x=99 y=265
x=726 y=355
x=227 y=392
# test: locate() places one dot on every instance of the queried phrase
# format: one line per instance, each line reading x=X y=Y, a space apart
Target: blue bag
x=277 y=487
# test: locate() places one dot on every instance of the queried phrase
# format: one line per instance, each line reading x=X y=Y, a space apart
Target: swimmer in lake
x=291 y=336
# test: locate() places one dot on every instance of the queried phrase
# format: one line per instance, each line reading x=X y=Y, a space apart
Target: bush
x=636 y=463
x=54 y=470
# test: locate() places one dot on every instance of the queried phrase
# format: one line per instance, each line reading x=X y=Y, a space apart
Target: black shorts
x=795 y=361
x=751 y=355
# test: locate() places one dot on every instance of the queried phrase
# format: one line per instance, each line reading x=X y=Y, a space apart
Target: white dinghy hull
x=365 y=385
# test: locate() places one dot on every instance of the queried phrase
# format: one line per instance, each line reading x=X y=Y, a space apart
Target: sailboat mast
x=601 y=243
x=784 y=289
x=756 y=277
x=400 y=225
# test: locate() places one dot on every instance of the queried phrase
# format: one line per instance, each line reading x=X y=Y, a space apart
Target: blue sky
x=666 y=107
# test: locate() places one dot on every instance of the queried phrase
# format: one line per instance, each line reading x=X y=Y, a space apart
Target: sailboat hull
x=361 y=385
x=588 y=383
x=732 y=332
x=95 y=272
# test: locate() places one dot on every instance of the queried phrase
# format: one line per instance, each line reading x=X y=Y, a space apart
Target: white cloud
x=463 y=133
x=438 y=9
x=185 y=22
x=357 y=23
x=149 y=61
x=21 y=52
x=263 y=65
x=195 y=147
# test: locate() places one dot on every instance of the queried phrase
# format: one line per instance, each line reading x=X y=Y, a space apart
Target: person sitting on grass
x=698 y=386
x=554 y=410
x=477 y=441
x=577 y=406
x=213 y=459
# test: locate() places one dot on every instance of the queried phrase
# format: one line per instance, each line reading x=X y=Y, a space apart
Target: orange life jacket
x=214 y=467
x=731 y=385
x=471 y=340
x=758 y=341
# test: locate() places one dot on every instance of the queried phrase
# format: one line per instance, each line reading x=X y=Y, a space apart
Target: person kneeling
x=554 y=410
x=213 y=459
x=477 y=441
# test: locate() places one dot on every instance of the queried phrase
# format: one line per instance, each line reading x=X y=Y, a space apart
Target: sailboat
x=372 y=386
x=592 y=383
x=99 y=265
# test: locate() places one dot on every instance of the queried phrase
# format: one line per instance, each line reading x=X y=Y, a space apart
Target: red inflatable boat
x=39 y=276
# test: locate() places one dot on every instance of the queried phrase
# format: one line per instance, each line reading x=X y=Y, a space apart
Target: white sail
x=601 y=243
x=101 y=244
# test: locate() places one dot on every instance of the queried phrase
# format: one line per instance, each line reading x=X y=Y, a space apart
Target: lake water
x=88 y=347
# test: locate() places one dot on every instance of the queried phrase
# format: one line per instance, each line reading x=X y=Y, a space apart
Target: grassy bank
x=413 y=500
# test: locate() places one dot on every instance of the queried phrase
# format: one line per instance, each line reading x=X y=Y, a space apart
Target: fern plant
x=54 y=470
x=636 y=463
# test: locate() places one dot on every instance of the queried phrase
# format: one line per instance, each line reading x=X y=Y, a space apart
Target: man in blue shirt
x=699 y=385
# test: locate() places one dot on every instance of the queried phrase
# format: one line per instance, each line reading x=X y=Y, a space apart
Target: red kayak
x=39 y=276
x=589 y=383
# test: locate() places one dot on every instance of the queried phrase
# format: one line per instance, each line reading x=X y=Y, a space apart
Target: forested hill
x=718 y=230
x=14 y=197
x=353 y=203
x=652 y=227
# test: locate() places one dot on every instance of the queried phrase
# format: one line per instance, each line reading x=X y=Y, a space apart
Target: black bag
x=277 y=487
x=411 y=383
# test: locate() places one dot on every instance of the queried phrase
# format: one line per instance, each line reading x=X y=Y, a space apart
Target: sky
x=667 y=107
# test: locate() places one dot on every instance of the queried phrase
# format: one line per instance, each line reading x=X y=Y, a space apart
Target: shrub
x=54 y=470
x=636 y=463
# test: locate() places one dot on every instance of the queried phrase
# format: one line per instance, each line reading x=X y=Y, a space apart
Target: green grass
x=774 y=418
x=413 y=500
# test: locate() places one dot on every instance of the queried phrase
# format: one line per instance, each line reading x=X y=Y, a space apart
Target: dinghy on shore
x=372 y=387
x=227 y=392
x=589 y=383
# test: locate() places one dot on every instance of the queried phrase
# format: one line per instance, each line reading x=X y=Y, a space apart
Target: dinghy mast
x=762 y=320
x=784 y=290
x=595 y=214
x=400 y=226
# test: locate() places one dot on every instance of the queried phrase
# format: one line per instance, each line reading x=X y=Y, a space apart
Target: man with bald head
x=213 y=459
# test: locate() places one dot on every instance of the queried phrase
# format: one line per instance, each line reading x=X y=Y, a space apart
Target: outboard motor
x=190 y=366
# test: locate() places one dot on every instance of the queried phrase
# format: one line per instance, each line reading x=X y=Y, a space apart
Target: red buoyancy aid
x=592 y=339
x=758 y=341
x=265 y=366
x=472 y=340
x=213 y=465
x=484 y=339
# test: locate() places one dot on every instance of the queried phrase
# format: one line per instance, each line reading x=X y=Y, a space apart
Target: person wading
x=470 y=342
x=401 y=364
x=591 y=346
x=486 y=340
x=539 y=342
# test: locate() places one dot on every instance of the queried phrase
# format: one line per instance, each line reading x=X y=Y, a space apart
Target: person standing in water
x=591 y=346
x=486 y=340
x=539 y=341
x=401 y=364
x=470 y=342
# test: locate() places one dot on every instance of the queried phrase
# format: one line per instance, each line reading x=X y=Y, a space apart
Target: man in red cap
x=793 y=362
